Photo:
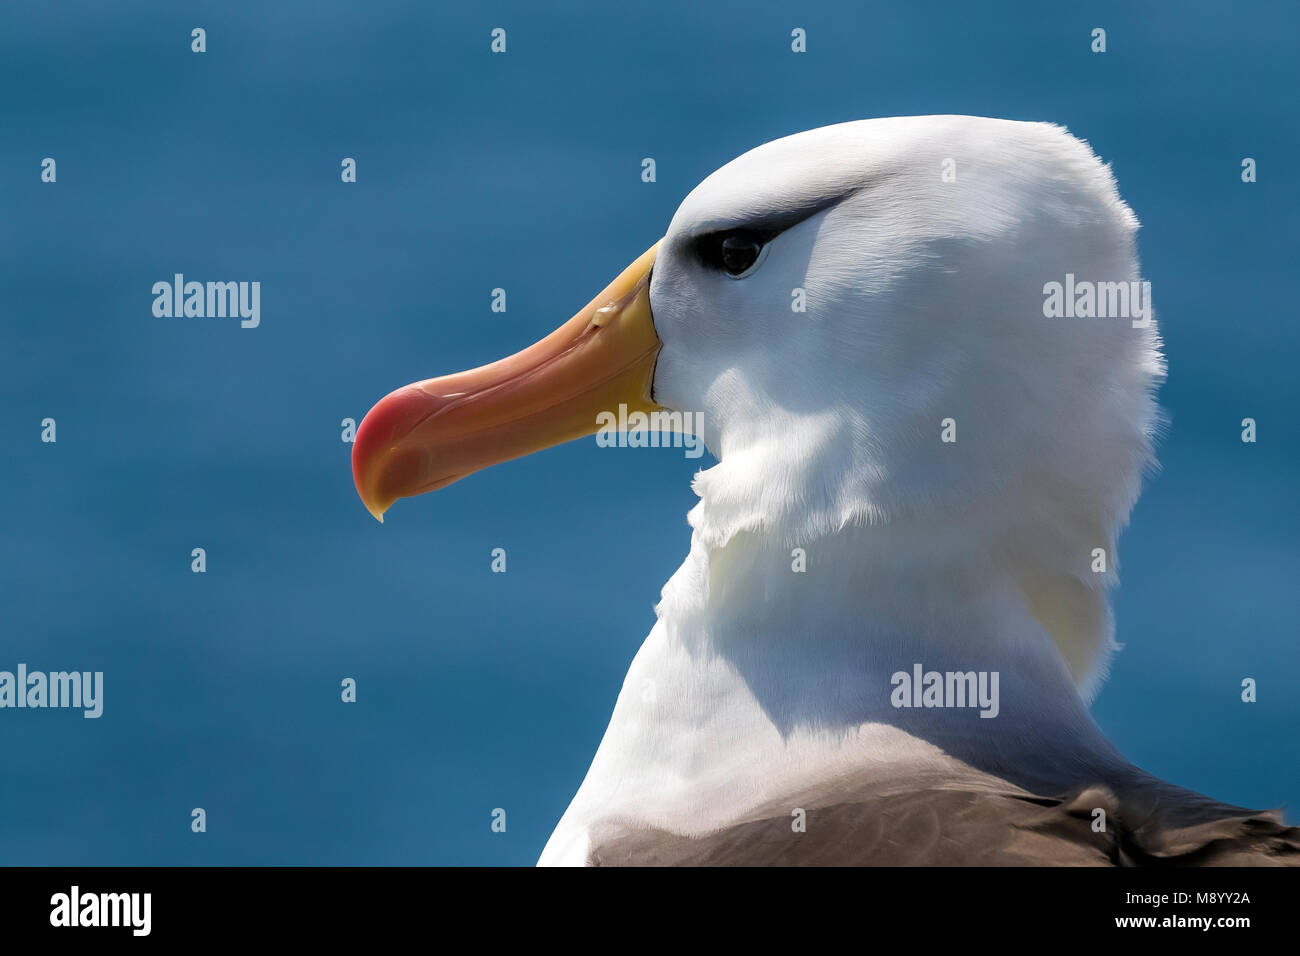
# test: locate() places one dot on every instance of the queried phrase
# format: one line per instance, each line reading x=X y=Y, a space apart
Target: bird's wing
x=972 y=819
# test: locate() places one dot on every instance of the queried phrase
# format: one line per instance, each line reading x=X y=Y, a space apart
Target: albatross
x=921 y=474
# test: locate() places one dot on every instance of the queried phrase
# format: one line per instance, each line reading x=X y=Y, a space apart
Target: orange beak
x=428 y=434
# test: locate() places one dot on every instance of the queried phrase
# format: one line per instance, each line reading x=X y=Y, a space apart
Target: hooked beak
x=428 y=434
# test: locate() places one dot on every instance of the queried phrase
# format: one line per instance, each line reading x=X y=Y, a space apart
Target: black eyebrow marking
x=778 y=221
x=767 y=225
x=760 y=229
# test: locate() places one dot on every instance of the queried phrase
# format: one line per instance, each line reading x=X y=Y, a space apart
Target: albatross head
x=857 y=313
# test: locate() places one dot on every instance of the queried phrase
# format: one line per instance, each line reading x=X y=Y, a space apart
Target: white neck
x=758 y=678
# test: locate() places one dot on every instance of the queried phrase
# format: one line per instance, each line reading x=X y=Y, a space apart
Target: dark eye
x=733 y=252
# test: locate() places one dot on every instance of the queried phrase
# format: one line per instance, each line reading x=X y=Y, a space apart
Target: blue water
x=476 y=690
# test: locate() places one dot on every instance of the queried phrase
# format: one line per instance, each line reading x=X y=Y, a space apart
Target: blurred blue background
x=481 y=690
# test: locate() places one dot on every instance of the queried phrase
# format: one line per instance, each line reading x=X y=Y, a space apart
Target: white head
x=920 y=247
